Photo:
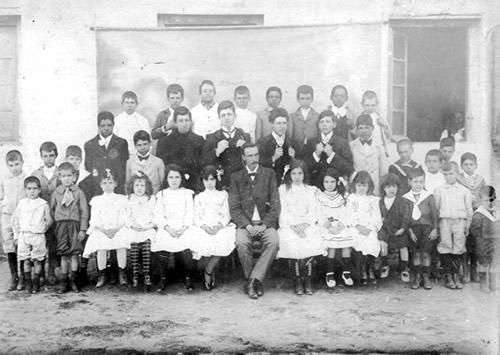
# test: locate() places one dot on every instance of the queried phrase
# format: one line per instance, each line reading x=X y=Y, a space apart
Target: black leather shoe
x=252 y=292
x=259 y=288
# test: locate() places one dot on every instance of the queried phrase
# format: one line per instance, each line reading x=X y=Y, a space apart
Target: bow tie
x=141 y=158
x=252 y=174
x=369 y=142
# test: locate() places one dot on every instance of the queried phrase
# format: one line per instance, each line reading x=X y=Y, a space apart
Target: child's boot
x=299 y=281
x=483 y=282
x=330 y=280
x=448 y=282
x=64 y=284
x=384 y=272
x=163 y=262
x=14 y=280
x=493 y=281
x=122 y=277
x=188 y=283
x=458 y=282
x=21 y=286
x=308 y=289
x=36 y=284
x=346 y=274
x=330 y=274
x=427 y=279
x=101 y=279
x=147 y=282
x=72 y=282
x=371 y=276
x=474 y=277
x=83 y=278
x=135 y=279
x=417 y=280
x=28 y=285
x=12 y=258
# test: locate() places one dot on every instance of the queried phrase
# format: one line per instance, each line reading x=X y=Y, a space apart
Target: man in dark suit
x=182 y=146
x=277 y=149
x=107 y=151
x=254 y=205
x=222 y=148
x=328 y=150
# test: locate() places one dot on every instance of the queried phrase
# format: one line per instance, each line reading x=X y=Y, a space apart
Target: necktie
x=67 y=198
x=228 y=135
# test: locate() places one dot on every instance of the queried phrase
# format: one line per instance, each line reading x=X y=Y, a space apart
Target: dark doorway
x=436 y=80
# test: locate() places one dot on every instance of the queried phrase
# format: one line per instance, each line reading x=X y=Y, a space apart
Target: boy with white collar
x=129 y=121
x=345 y=117
x=423 y=230
x=245 y=119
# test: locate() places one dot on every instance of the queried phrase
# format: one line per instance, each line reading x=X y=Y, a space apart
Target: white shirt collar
x=251 y=171
x=279 y=140
x=305 y=111
x=104 y=141
x=339 y=111
x=326 y=137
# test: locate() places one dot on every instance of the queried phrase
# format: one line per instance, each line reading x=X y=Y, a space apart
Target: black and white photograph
x=250 y=177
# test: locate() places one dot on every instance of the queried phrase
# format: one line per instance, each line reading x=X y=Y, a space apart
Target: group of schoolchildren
x=339 y=198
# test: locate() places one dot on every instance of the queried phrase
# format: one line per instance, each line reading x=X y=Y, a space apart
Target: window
x=8 y=78
x=429 y=79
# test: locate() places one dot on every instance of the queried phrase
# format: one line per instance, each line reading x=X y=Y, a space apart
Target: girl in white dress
x=107 y=218
x=364 y=217
x=139 y=229
x=213 y=236
x=300 y=236
x=336 y=235
x=173 y=215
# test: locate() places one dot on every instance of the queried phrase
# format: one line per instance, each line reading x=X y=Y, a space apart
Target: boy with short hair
x=222 y=148
x=164 y=120
x=401 y=167
x=71 y=216
x=303 y=123
x=11 y=193
x=367 y=153
x=423 y=229
x=345 y=116
x=245 y=119
x=30 y=222
x=277 y=149
x=470 y=179
x=204 y=115
x=107 y=151
x=447 y=148
x=433 y=176
x=74 y=156
x=47 y=174
x=454 y=203
x=382 y=130
x=474 y=183
x=146 y=162
x=129 y=121
x=263 y=127
x=328 y=151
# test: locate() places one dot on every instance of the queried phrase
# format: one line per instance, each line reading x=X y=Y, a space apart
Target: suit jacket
x=230 y=160
x=245 y=194
x=113 y=157
x=342 y=160
x=48 y=186
x=153 y=167
x=301 y=129
x=162 y=119
x=396 y=217
x=262 y=125
x=184 y=150
x=371 y=158
x=267 y=146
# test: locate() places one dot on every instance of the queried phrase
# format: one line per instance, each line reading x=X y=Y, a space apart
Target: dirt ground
x=388 y=318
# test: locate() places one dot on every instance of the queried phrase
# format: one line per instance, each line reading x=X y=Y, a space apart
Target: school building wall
x=57 y=84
